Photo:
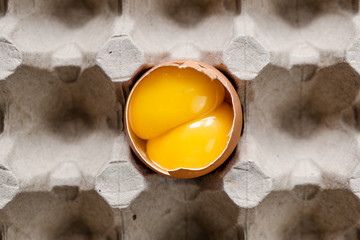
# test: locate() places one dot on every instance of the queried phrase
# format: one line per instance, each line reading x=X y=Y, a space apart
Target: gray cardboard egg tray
x=66 y=169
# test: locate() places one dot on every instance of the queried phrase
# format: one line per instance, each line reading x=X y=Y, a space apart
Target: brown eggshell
x=231 y=97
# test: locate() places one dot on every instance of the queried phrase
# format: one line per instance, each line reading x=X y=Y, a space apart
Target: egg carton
x=66 y=169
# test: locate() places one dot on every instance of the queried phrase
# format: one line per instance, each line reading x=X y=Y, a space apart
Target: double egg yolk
x=182 y=116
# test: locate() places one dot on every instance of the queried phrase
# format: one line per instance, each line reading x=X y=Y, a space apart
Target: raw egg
x=183 y=118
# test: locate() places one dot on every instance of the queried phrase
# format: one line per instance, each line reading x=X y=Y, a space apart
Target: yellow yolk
x=171 y=96
x=195 y=144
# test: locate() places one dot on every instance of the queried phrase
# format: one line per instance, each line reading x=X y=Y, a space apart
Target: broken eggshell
x=138 y=145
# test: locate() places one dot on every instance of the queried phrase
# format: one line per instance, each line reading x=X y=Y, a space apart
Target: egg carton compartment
x=181 y=209
x=288 y=24
x=63 y=213
x=55 y=130
x=296 y=35
x=297 y=133
x=43 y=27
x=202 y=27
x=59 y=36
x=305 y=213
